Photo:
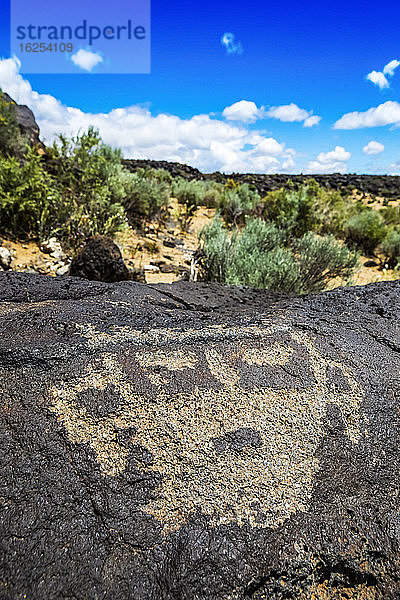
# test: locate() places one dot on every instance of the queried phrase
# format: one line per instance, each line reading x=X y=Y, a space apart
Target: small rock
x=157 y=262
x=50 y=245
x=370 y=263
x=152 y=268
x=58 y=254
x=62 y=270
x=168 y=268
x=5 y=258
x=169 y=243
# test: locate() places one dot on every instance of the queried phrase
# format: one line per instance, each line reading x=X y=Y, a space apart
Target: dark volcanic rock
x=100 y=260
x=26 y=122
x=377 y=185
x=195 y=442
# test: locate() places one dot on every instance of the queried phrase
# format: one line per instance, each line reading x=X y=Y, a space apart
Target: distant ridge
x=377 y=185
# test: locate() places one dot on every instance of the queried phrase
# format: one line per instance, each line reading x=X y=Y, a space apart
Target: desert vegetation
x=295 y=239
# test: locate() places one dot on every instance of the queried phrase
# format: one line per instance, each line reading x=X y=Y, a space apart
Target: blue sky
x=312 y=54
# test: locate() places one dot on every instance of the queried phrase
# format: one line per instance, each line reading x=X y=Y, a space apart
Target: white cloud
x=311 y=121
x=86 y=60
x=202 y=141
x=230 y=44
x=387 y=113
x=396 y=168
x=373 y=148
x=248 y=112
x=330 y=162
x=389 y=69
x=378 y=79
x=244 y=110
x=290 y=113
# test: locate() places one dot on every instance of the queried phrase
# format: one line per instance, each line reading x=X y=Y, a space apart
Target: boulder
x=196 y=442
x=26 y=122
x=100 y=260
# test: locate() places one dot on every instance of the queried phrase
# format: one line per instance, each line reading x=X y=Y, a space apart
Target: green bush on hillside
x=256 y=257
x=328 y=210
x=309 y=208
x=237 y=201
x=30 y=203
x=79 y=196
x=212 y=193
x=390 y=247
x=146 y=194
x=11 y=139
x=89 y=178
x=321 y=259
x=190 y=195
x=391 y=215
x=366 y=230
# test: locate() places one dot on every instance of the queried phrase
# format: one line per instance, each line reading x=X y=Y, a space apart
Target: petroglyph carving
x=263 y=483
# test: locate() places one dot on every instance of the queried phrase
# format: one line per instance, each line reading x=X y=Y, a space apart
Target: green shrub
x=86 y=168
x=366 y=230
x=215 y=244
x=309 y=208
x=145 y=195
x=77 y=197
x=390 y=247
x=11 y=139
x=212 y=193
x=321 y=259
x=90 y=179
x=29 y=200
x=237 y=201
x=161 y=175
x=256 y=257
x=391 y=215
x=190 y=195
x=330 y=209
x=289 y=209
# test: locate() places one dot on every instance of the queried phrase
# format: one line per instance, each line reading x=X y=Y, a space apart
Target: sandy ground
x=28 y=255
x=146 y=249
x=375 y=202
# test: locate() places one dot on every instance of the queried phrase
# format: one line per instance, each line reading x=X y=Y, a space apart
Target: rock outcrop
x=26 y=122
x=195 y=442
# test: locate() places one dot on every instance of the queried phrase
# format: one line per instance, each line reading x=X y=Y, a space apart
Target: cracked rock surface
x=197 y=442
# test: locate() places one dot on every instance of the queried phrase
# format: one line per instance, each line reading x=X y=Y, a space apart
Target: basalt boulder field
x=196 y=442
